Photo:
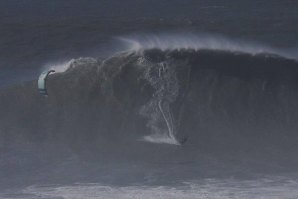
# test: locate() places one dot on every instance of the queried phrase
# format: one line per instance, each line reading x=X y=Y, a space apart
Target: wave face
x=136 y=103
x=159 y=95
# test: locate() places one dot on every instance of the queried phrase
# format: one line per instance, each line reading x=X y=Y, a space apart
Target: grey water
x=150 y=99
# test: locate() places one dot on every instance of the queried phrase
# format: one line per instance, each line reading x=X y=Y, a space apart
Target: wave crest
x=200 y=42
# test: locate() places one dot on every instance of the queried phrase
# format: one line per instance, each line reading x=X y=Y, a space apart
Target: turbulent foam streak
x=164 y=81
x=169 y=121
x=201 y=42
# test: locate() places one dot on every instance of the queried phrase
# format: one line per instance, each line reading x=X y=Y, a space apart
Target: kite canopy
x=42 y=86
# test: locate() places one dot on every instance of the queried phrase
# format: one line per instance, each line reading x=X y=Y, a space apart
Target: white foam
x=266 y=188
x=58 y=67
x=160 y=139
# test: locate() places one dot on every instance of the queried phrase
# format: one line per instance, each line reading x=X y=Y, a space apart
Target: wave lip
x=200 y=42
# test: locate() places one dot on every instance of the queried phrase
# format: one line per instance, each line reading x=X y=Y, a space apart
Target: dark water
x=157 y=99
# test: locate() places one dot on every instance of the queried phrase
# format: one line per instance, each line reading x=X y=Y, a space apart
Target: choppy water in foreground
x=266 y=188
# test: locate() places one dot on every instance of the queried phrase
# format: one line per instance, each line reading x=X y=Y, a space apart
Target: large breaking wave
x=161 y=87
x=203 y=101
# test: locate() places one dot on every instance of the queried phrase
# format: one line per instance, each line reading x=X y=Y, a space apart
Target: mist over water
x=149 y=106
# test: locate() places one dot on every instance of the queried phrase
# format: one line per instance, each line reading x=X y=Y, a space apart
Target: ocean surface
x=150 y=99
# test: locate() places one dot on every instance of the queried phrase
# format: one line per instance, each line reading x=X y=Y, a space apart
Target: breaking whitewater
x=169 y=117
